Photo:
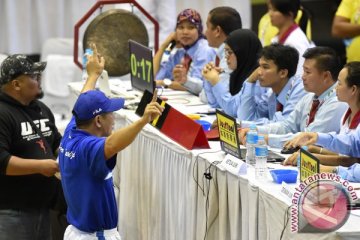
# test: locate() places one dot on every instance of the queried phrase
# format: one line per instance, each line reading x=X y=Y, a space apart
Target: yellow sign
x=309 y=165
x=227 y=130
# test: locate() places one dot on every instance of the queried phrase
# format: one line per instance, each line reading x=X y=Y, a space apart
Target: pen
x=206 y=113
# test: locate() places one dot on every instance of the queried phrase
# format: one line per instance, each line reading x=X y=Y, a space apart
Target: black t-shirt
x=17 y=138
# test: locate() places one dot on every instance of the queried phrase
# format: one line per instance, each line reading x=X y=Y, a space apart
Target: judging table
x=162 y=193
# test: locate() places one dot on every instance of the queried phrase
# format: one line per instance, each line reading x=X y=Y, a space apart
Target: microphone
x=172 y=45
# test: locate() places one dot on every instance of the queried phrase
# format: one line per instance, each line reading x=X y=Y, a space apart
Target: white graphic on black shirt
x=28 y=133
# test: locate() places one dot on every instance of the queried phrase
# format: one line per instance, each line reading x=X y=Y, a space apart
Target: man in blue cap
x=87 y=157
x=29 y=140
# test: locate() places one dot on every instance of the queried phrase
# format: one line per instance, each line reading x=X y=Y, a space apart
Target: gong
x=111 y=31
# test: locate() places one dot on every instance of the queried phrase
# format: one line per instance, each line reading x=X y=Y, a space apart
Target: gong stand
x=100 y=4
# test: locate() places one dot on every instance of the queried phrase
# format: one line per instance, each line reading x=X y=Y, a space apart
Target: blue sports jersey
x=87 y=181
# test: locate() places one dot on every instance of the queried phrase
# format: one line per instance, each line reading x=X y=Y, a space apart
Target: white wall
x=26 y=24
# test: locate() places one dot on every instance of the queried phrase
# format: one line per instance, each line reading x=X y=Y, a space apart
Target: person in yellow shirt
x=266 y=31
x=346 y=24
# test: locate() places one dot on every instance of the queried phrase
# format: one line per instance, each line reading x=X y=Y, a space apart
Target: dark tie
x=186 y=62
x=313 y=110
x=279 y=106
x=217 y=61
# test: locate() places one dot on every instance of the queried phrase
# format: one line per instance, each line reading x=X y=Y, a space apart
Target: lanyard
x=286 y=34
x=354 y=122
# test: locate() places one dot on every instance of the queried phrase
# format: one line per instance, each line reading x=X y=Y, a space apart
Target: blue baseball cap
x=93 y=103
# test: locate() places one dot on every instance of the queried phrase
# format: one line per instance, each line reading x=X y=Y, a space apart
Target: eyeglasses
x=228 y=52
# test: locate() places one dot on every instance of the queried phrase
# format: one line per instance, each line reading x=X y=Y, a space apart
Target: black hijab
x=246 y=47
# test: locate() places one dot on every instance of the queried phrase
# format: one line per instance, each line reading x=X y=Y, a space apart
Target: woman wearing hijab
x=183 y=69
x=242 y=49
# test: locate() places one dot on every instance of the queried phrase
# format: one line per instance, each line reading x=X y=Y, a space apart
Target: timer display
x=141 y=67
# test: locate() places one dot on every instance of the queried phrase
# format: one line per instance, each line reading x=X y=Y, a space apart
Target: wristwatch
x=167 y=82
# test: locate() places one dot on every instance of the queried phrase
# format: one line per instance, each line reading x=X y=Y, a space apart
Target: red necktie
x=313 y=110
x=279 y=107
x=186 y=62
x=217 y=61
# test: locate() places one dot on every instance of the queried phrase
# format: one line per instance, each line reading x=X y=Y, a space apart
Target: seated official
x=276 y=71
x=319 y=110
x=242 y=48
x=220 y=23
x=347 y=90
x=182 y=71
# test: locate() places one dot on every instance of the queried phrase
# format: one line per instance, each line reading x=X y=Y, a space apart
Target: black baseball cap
x=18 y=64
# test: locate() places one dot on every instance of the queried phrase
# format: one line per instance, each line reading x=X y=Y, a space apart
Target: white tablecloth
x=164 y=195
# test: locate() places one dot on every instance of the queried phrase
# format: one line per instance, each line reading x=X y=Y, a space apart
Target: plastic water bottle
x=251 y=141
x=298 y=157
x=261 y=155
x=88 y=52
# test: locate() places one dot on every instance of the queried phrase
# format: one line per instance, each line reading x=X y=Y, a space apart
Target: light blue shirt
x=351 y=173
x=262 y=109
x=207 y=95
x=229 y=103
x=327 y=118
x=347 y=142
x=200 y=54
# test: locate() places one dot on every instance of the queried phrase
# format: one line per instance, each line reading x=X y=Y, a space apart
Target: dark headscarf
x=246 y=46
x=193 y=17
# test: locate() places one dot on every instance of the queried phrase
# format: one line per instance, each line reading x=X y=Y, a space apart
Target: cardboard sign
x=234 y=165
x=228 y=136
x=309 y=164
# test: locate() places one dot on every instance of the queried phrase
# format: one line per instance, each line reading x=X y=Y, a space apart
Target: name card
x=234 y=165
x=287 y=191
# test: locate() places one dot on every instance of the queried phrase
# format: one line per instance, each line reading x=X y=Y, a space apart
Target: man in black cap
x=29 y=140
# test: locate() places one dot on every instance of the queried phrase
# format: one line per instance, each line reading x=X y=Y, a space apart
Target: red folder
x=184 y=130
